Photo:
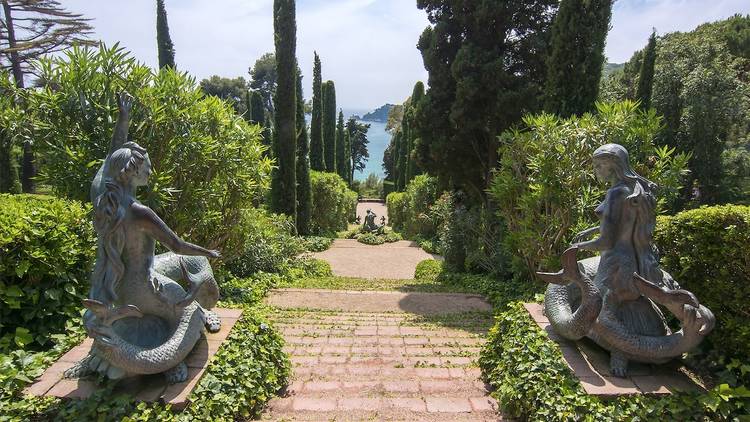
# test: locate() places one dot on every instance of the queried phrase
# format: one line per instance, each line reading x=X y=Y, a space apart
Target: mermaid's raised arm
x=120 y=134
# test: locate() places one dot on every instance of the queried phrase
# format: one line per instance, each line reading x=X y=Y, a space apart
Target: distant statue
x=370 y=225
x=141 y=319
x=612 y=298
x=382 y=221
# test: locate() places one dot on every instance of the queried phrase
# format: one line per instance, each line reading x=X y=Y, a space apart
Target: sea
x=378 y=138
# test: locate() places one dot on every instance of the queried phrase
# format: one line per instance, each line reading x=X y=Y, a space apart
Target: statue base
x=590 y=364
x=147 y=388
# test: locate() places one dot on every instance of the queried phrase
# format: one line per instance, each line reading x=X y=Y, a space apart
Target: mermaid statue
x=612 y=298
x=141 y=318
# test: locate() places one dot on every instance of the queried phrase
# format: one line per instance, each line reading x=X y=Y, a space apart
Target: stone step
x=437 y=408
x=378 y=387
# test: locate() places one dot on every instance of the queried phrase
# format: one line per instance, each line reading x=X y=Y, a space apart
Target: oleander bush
x=47 y=246
x=545 y=189
x=270 y=244
x=409 y=211
x=208 y=163
x=707 y=250
x=334 y=204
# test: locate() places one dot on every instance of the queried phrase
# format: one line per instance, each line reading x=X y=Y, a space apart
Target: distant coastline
x=378 y=115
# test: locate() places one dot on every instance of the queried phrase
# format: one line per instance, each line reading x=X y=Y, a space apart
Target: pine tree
x=646 y=75
x=574 y=68
x=317 y=149
x=32 y=28
x=329 y=125
x=163 y=40
x=284 y=183
x=341 y=156
x=304 y=188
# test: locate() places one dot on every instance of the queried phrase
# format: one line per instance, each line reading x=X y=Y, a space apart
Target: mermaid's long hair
x=643 y=198
x=109 y=212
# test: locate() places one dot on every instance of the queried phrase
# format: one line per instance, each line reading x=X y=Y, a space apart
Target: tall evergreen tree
x=401 y=163
x=574 y=69
x=464 y=110
x=317 y=149
x=349 y=155
x=329 y=125
x=646 y=75
x=28 y=30
x=356 y=133
x=304 y=188
x=163 y=40
x=256 y=110
x=341 y=155
x=413 y=132
x=284 y=182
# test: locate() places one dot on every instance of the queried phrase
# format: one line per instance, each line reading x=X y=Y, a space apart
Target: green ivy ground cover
x=247 y=371
x=532 y=382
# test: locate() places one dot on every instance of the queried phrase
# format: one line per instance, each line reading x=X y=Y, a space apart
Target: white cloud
x=633 y=20
x=367 y=47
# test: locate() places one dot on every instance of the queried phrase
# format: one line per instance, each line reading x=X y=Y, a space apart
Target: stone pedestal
x=147 y=388
x=590 y=364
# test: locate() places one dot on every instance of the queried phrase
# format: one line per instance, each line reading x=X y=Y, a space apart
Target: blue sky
x=367 y=47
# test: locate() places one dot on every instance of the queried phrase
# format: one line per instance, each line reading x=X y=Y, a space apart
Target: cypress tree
x=284 y=183
x=574 y=68
x=317 y=150
x=163 y=40
x=349 y=157
x=411 y=120
x=341 y=147
x=304 y=188
x=329 y=125
x=401 y=163
x=646 y=75
x=255 y=108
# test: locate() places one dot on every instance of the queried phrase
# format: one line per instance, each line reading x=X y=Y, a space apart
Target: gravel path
x=349 y=258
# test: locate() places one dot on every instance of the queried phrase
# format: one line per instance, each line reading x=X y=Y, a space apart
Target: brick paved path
x=398 y=260
x=383 y=366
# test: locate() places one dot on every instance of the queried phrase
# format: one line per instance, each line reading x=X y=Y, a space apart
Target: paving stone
x=448 y=405
x=313 y=404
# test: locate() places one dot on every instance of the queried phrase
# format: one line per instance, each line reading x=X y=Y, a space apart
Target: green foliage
x=707 y=250
x=333 y=203
x=379 y=238
x=14 y=130
x=328 y=125
x=207 y=161
x=545 y=188
x=317 y=150
x=356 y=133
x=317 y=243
x=234 y=91
x=163 y=40
x=284 y=178
x=372 y=187
x=532 y=382
x=701 y=88
x=263 y=80
x=409 y=212
x=486 y=67
x=646 y=75
x=47 y=246
x=270 y=245
x=342 y=155
x=245 y=373
x=574 y=67
x=304 y=194
x=499 y=292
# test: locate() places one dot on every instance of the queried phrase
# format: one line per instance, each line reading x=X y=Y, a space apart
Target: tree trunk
x=28 y=170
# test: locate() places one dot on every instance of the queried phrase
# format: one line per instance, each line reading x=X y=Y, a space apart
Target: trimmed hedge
x=47 y=246
x=707 y=250
x=409 y=211
x=334 y=204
